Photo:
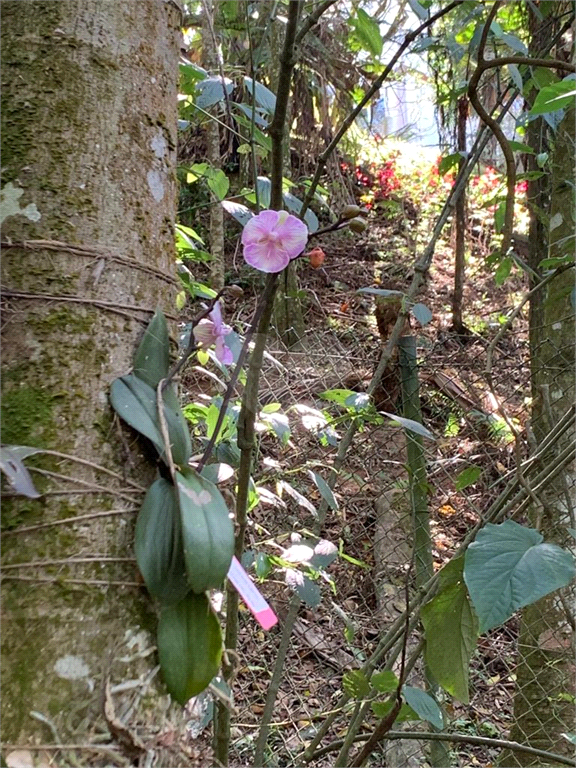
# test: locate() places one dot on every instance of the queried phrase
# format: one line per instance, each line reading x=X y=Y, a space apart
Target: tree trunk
x=212 y=132
x=460 y=226
x=543 y=704
x=88 y=150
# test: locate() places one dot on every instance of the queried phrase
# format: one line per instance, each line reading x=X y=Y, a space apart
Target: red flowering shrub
x=388 y=173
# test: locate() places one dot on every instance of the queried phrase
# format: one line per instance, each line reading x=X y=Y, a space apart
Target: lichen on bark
x=89 y=111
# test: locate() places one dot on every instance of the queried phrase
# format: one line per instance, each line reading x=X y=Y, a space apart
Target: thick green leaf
x=544 y=76
x=508 y=567
x=355 y=684
x=217 y=473
x=264 y=187
x=295 y=206
x=262 y=565
x=500 y=216
x=421 y=12
x=451 y=631
x=282 y=485
x=189 y=646
x=359 y=401
x=218 y=183
x=17 y=474
x=385 y=293
x=385 y=681
x=189 y=76
x=413 y=426
x=517 y=146
x=23 y=451
x=337 y=395
x=207 y=531
x=261 y=139
x=424 y=705
x=325 y=490
x=421 y=313
x=158 y=544
x=449 y=162
x=382 y=709
x=211 y=91
x=514 y=42
x=152 y=358
x=263 y=96
x=195 y=172
x=245 y=149
x=516 y=76
x=325 y=552
x=241 y=213
x=135 y=402
x=368 y=32
x=553 y=97
x=467 y=477
x=279 y=424
x=306 y=589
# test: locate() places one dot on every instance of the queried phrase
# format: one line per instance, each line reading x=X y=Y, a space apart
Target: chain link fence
x=483 y=465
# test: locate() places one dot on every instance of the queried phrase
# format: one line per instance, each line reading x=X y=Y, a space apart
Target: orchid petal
x=266 y=257
x=259 y=227
x=272 y=238
x=223 y=353
x=293 y=235
x=204 y=333
x=216 y=317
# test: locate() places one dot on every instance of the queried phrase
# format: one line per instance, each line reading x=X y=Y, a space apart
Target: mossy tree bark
x=543 y=704
x=88 y=153
x=212 y=133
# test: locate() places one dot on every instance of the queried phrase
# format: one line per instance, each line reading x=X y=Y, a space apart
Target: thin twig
x=88 y=251
x=92 y=486
x=458 y=738
x=275 y=682
x=111 y=306
x=89 y=582
x=69 y=520
x=86 y=463
x=312 y=19
x=70 y=561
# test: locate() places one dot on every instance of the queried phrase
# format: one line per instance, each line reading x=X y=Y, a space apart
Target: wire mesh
x=479 y=422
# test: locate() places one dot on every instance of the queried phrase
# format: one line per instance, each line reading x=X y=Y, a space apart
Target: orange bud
x=316 y=257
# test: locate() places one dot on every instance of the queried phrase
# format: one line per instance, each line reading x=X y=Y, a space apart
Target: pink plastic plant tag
x=251 y=595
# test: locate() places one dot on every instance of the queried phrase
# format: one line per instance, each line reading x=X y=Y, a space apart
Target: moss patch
x=27 y=412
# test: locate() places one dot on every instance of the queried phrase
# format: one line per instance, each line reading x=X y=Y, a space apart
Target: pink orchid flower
x=211 y=331
x=272 y=238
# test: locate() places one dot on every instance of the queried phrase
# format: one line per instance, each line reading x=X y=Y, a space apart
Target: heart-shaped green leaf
x=508 y=567
x=158 y=544
x=356 y=684
x=189 y=646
